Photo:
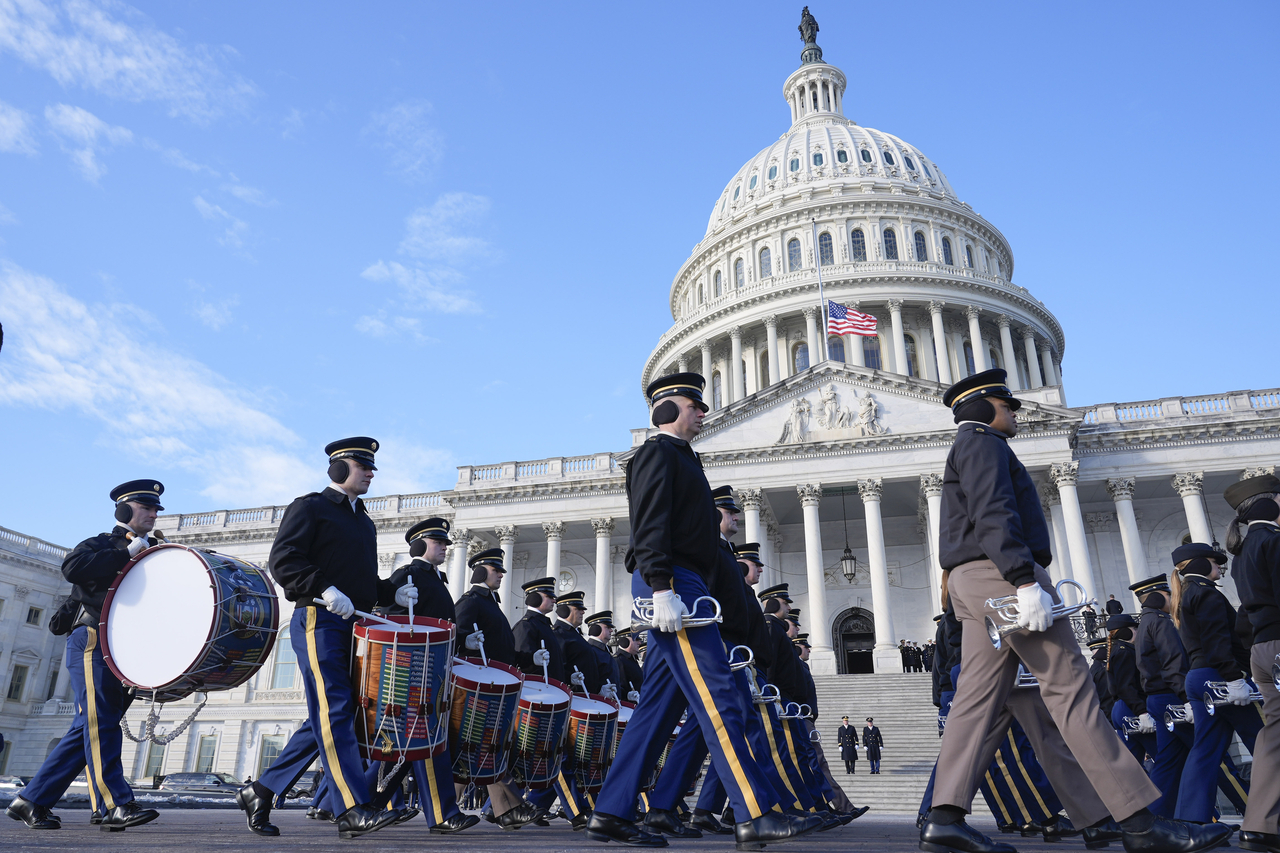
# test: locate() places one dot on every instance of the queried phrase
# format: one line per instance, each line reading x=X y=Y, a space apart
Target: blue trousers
x=1139 y=745
x=565 y=788
x=1015 y=785
x=322 y=643
x=687 y=669
x=94 y=740
x=1170 y=755
x=1197 y=791
x=797 y=738
x=776 y=738
x=434 y=780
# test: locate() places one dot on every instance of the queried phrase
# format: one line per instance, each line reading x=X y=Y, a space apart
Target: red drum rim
x=551 y=706
x=487 y=687
x=433 y=628
x=583 y=714
x=420 y=753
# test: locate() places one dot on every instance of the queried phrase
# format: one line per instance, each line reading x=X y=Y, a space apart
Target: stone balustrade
x=1215 y=405
x=11 y=540
x=273 y=514
x=536 y=471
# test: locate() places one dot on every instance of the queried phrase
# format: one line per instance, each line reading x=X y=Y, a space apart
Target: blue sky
x=233 y=232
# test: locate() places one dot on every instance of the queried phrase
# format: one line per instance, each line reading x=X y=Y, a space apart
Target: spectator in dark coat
x=847 y=737
x=1113 y=607
x=874 y=743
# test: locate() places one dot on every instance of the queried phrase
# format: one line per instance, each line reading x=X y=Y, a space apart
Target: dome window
x=754 y=180
x=817 y=159
x=701 y=294
x=800 y=358
x=795 y=164
x=739 y=273
x=858 y=245
x=926 y=168
x=890 y=245
x=911 y=164
x=871 y=352
x=773 y=172
x=946 y=252
x=968 y=255
x=737 y=191
x=842 y=156
x=922 y=252
x=716 y=290
x=717 y=390
x=888 y=158
x=866 y=156
x=793 y=255
x=766 y=263
x=826 y=253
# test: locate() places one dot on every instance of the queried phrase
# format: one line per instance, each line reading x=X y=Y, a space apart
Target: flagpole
x=817 y=257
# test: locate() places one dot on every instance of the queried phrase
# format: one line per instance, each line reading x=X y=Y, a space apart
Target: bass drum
x=178 y=621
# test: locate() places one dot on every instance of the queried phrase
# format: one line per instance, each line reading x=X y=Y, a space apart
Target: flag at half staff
x=846 y=321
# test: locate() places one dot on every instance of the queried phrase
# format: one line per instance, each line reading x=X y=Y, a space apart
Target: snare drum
x=541 y=723
x=177 y=620
x=482 y=718
x=399 y=673
x=593 y=726
x=625 y=710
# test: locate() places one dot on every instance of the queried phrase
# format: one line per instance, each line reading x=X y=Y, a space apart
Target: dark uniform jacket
x=1208 y=629
x=606 y=666
x=810 y=689
x=1162 y=662
x=1098 y=672
x=784 y=673
x=479 y=607
x=92 y=567
x=630 y=672
x=578 y=654
x=674 y=520
x=743 y=623
x=433 y=596
x=990 y=507
x=872 y=741
x=1123 y=681
x=1257 y=574
x=324 y=542
x=847 y=737
x=532 y=631
x=1113 y=607
x=941 y=671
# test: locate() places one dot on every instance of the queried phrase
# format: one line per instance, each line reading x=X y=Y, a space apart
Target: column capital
x=1028 y=334
x=751 y=498
x=1065 y=473
x=810 y=313
x=1043 y=347
x=1121 y=488
x=973 y=312
x=1257 y=472
x=705 y=345
x=553 y=529
x=1099 y=522
x=1003 y=321
x=735 y=332
x=936 y=306
x=459 y=535
x=895 y=304
x=810 y=493
x=477 y=545
x=931 y=484
x=1188 y=484
x=870 y=489
x=506 y=532
x=1049 y=494
x=603 y=527
x=771 y=321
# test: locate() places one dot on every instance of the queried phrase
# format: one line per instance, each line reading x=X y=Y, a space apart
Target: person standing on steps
x=847 y=737
x=873 y=743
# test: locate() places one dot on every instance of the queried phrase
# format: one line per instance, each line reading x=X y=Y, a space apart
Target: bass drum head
x=541 y=693
x=483 y=674
x=160 y=617
x=583 y=705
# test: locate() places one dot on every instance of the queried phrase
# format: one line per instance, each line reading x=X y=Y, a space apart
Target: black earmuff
x=596 y=630
x=124 y=512
x=480 y=573
x=533 y=599
x=1125 y=634
x=417 y=548
x=773 y=605
x=563 y=611
x=665 y=412
x=976 y=410
x=339 y=471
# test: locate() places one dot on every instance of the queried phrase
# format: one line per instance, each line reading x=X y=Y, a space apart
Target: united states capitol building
x=831 y=442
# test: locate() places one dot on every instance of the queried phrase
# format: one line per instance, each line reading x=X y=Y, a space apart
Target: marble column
x=604 y=566
x=705 y=346
x=886 y=651
x=771 y=330
x=811 y=336
x=853 y=352
x=506 y=534
x=1006 y=348
x=1046 y=365
x=458 y=561
x=1065 y=476
x=735 y=364
x=1190 y=487
x=931 y=487
x=62 y=687
x=682 y=364
x=1050 y=500
x=751 y=500
x=940 y=342
x=1033 y=364
x=899 y=336
x=975 y=339
x=554 y=531
x=1135 y=557
x=819 y=631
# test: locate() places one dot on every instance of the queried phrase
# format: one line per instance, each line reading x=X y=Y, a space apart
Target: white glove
x=406 y=595
x=541 y=657
x=633 y=696
x=1238 y=692
x=668 y=611
x=1191 y=713
x=137 y=544
x=609 y=691
x=578 y=679
x=337 y=602
x=1034 y=608
x=1146 y=724
x=475 y=640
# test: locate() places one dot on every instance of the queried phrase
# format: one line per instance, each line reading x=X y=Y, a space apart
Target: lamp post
x=848 y=562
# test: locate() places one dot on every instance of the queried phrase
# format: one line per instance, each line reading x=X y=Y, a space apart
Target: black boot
x=522 y=815
x=35 y=817
x=858 y=811
x=259 y=809
x=1059 y=828
x=1176 y=836
x=606 y=827
x=774 y=828
x=709 y=823
x=958 y=837
x=363 y=819
x=130 y=814
x=664 y=821
x=405 y=815
x=1264 y=841
x=579 y=823
x=457 y=823
x=1097 y=837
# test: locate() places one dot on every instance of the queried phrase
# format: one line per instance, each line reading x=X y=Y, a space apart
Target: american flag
x=846 y=321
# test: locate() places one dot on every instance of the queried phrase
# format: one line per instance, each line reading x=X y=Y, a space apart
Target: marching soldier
x=631 y=673
x=1162 y=667
x=580 y=666
x=1124 y=686
x=600 y=627
x=537 y=645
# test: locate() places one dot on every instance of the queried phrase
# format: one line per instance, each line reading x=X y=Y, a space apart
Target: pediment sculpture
x=833 y=420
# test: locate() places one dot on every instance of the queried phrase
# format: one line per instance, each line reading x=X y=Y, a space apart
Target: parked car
x=302 y=788
x=10 y=785
x=216 y=782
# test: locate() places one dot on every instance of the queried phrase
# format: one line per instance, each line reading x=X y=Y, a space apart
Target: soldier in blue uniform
x=673 y=558
x=1162 y=667
x=1124 y=686
x=600 y=628
x=629 y=668
x=94 y=740
x=537 y=645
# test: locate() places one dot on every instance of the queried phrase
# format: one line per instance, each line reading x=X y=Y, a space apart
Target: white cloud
x=407 y=135
x=82 y=135
x=422 y=290
x=174 y=157
x=250 y=195
x=15 y=131
x=431 y=232
x=405 y=467
x=215 y=315
x=292 y=124
x=7 y=217
x=236 y=229
x=114 y=49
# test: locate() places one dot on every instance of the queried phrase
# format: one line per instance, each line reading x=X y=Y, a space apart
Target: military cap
x=146 y=492
x=678 y=385
x=938 y=618
x=1100 y=643
x=779 y=591
x=802 y=640
x=748 y=551
x=430 y=528
x=1159 y=582
x=724 y=499
x=1192 y=550
x=359 y=447
x=604 y=617
x=1121 y=620
x=622 y=634
x=490 y=557
x=988 y=383
x=1237 y=493
x=844 y=717
x=576 y=598
x=547 y=585
x=793 y=613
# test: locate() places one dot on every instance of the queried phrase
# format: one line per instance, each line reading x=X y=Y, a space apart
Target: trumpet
x=1176 y=715
x=1216 y=694
x=1131 y=725
x=1275 y=672
x=735 y=665
x=765 y=695
x=802 y=712
x=1026 y=678
x=642 y=614
x=942 y=724
x=1007 y=608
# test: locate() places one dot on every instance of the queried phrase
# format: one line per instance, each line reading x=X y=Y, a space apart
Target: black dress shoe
x=1097 y=837
x=522 y=815
x=259 y=809
x=829 y=821
x=774 y=828
x=606 y=827
x=542 y=821
x=664 y=821
x=579 y=823
x=1175 y=836
x=95 y=819
x=1264 y=841
x=709 y=824
x=35 y=817
x=130 y=814
x=1059 y=829
x=364 y=819
x=1030 y=829
x=405 y=815
x=919 y=821
x=858 y=811
x=457 y=823
x=958 y=838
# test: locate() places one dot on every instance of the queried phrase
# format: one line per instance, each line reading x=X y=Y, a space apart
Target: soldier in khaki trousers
x=994 y=543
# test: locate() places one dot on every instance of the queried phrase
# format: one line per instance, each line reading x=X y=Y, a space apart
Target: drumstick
x=483 y=656
x=411 y=603
x=364 y=615
x=545 y=676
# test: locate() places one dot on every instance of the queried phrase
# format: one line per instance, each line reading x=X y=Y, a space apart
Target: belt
x=86 y=619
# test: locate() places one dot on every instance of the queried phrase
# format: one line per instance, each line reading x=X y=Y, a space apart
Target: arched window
x=842 y=156
x=793 y=255
x=716 y=290
x=717 y=391
x=284 y=675
x=739 y=275
x=866 y=156
x=946 y=252
x=835 y=348
x=737 y=191
x=999 y=269
x=910 y=163
x=968 y=255
x=858 y=244
x=926 y=168
x=817 y=159
x=968 y=359
x=890 y=245
x=871 y=351
x=922 y=251
x=773 y=172
x=766 y=263
x=993 y=357
x=888 y=158
x=800 y=358
x=754 y=180
x=913 y=363
x=826 y=254
x=795 y=164
x=986 y=261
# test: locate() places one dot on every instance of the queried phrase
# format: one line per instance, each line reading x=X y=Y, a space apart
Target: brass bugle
x=1176 y=715
x=743 y=663
x=1007 y=608
x=642 y=614
x=1216 y=694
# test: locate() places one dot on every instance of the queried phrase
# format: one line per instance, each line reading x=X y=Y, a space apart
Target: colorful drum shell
x=541 y=723
x=188 y=621
x=625 y=710
x=593 y=726
x=662 y=762
x=400 y=677
x=482 y=718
